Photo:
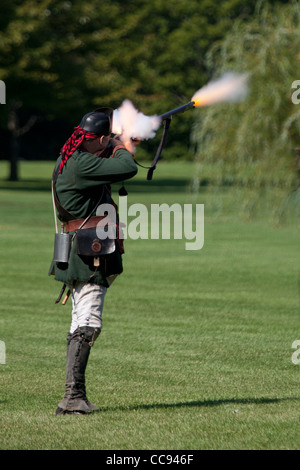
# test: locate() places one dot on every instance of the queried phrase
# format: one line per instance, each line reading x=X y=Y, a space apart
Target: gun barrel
x=180 y=109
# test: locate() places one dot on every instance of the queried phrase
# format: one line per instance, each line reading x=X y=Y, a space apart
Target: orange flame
x=230 y=87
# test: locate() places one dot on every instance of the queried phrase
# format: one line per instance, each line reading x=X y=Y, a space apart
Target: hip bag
x=88 y=242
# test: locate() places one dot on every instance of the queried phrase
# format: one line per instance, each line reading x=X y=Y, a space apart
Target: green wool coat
x=79 y=187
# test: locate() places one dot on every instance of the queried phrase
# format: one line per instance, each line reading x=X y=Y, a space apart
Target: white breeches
x=87 y=305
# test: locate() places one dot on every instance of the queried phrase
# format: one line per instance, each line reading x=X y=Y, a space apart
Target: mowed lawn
x=196 y=348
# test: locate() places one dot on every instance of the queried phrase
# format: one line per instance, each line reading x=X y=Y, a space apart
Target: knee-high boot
x=78 y=351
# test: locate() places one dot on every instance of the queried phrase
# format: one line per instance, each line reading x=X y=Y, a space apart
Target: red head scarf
x=73 y=143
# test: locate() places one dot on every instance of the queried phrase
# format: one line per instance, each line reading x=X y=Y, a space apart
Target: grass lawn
x=196 y=348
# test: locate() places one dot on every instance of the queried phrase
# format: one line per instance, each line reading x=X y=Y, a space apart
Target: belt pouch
x=89 y=244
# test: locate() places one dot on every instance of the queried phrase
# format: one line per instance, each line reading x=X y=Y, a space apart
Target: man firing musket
x=89 y=162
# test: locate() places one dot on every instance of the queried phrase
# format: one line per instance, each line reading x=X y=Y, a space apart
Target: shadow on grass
x=132 y=186
x=26 y=185
x=200 y=403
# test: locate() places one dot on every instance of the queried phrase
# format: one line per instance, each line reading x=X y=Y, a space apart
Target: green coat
x=79 y=187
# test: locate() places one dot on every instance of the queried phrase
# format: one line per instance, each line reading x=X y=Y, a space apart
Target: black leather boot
x=78 y=351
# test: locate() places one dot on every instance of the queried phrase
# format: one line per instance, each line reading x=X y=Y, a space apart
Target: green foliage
x=60 y=58
x=253 y=143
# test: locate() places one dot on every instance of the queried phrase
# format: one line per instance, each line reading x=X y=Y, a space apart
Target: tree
x=60 y=58
x=31 y=69
x=253 y=144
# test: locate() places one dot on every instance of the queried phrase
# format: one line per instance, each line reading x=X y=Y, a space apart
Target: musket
x=229 y=87
x=180 y=109
x=166 y=119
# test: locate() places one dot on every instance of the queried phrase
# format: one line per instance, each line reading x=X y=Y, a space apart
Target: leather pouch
x=88 y=243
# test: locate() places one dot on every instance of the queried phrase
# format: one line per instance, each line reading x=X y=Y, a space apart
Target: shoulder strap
x=65 y=215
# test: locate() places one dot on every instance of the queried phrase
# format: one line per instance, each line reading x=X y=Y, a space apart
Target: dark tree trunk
x=13 y=126
x=14 y=158
x=16 y=131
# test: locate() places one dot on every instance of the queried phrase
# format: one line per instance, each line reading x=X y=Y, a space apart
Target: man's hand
x=114 y=141
x=131 y=144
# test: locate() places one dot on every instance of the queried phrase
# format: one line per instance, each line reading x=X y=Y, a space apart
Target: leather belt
x=73 y=225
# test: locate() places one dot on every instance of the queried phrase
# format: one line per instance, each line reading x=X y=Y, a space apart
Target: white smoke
x=231 y=87
x=129 y=123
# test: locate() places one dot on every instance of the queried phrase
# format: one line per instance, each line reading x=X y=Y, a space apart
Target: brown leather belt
x=73 y=225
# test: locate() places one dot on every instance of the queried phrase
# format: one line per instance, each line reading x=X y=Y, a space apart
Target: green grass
x=196 y=346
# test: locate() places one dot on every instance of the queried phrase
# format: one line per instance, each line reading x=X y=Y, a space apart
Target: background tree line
x=60 y=59
x=256 y=145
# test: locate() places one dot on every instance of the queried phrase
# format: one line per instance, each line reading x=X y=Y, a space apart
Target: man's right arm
x=93 y=170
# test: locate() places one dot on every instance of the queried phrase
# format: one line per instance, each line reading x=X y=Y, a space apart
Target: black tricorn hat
x=98 y=121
